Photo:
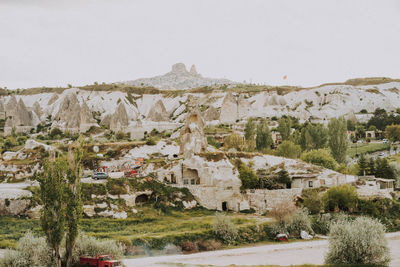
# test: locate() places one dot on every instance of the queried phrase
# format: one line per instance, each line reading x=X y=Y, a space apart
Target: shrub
x=321 y=224
x=319 y=157
x=247 y=176
x=224 y=229
x=120 y=135
x=282 y=210
x=234 y=141
x=55 y=133
x=91 y=246
x=151 y=141
x=288 y=150
x=294 y=223
x=359 y=242
x=343 y=198
x=30 y=251
x=208 y=245
x=312 y=200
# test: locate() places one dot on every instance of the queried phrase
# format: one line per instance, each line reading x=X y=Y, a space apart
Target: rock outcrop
x=179 y=78
x=37 y=109
x=229 y=109
x=119 y=121
x=53 y=99
x=2 y=110
x=244 y=107
x=73 y=117
x=211 y=114
x=192 y=137
x=158 y=112
x=18 y=117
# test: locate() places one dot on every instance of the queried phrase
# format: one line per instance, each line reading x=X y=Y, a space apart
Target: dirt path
x=311 y=252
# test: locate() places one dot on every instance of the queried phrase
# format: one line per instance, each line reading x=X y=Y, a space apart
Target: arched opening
x=224 y=206
x=141 y=199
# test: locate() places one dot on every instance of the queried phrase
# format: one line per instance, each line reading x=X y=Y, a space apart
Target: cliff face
x=179 y=78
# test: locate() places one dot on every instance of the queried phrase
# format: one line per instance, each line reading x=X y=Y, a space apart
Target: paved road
x=311 y=252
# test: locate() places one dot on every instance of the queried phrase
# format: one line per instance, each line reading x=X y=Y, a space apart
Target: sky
x=60 y=42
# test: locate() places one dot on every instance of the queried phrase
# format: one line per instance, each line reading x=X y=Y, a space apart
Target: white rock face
x=119 y=121
x=179 y=78
x=158 y=112
x=192 y=137
x=32 y=144
x=229 y=109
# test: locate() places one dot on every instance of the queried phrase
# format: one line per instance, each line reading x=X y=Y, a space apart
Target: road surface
x=311 y=252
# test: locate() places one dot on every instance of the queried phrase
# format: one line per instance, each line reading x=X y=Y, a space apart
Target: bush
x=30 y=251
x=343 y=198
x=224 y=229
x=91 y=246
x=288 y=150
x=55 y=133
x=359 y=242
x=282 y=210
x=312 y=200
x=151 y=141
x=294 y=223
x=248 y=177
x=320 y=157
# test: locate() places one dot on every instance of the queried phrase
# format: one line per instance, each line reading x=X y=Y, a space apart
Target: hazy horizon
x=55 y=43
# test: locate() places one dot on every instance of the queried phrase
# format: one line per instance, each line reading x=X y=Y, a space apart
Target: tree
x=55 y=133
x=379 y=120
x=73 y=199
x=360 y=131
x=283 y=177
x=263 y=138
x=313 y=137
x=284 y=128
x=250 y=130
x=234 y=141
x=351 y=125
x=337 y=139
x=247 y=176
x=52 y=188
x=393 y=132
x=361 y=241
x=343 y=198
x=61 y=196
x=371 y=167
x=362 y=165
x=288 y=149
x=383 y=169
x=320 y=157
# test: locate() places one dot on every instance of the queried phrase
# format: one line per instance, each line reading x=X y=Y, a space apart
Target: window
x=310 y=183
x=185 y=181
x=193 y=181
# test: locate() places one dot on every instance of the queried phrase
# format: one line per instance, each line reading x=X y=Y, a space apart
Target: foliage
x=337 y=138
x=393 y=132
x=320 y=157
x=343 y=198
x=247 y=176
x=30 y=251
x=313 y=136
x=250 y=130
x=283 y=177
x=361 y=241
x=293 y=223
x=235 y=141
x=362 y=165
x=212 y=141
x=263 y=138
x=282 y=210
x=52 y=187
x=312 y=200
x=91 y=246
x=366 y=148
x=288 y=149
x=55 y=133
x=383 y=169
x=224 y=229
x=284 y=128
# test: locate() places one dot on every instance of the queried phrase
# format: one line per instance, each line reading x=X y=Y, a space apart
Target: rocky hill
x=179 y=78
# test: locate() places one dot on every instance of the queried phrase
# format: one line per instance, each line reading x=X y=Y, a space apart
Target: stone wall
x=262 y=200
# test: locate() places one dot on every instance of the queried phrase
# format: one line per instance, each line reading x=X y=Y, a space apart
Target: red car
x=100 y=261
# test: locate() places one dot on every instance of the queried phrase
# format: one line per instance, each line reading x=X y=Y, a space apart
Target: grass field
x=149 y=224
x=366 y=148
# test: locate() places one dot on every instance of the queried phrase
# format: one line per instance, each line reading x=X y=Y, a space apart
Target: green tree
x=362 y=165
x=248 y=177
x=263 y=138
x=393 y=132
x=343 y=198
x=288 y=149
x=284 y=128
x=283 y=177
x=380 y=119
x=337 y=139
x=383 y=169
x=250 y=130
x=320 y=157
x=52 y=188
x=371 y=167
x=234 y=141
x=351 y=126
x=313 y=137
x=73 y=199
x=360 y=131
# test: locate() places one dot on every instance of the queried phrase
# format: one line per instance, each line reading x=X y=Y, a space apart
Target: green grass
x=366 y=148
x=148 y=225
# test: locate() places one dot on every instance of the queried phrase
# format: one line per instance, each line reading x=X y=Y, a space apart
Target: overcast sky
x=55 y=43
